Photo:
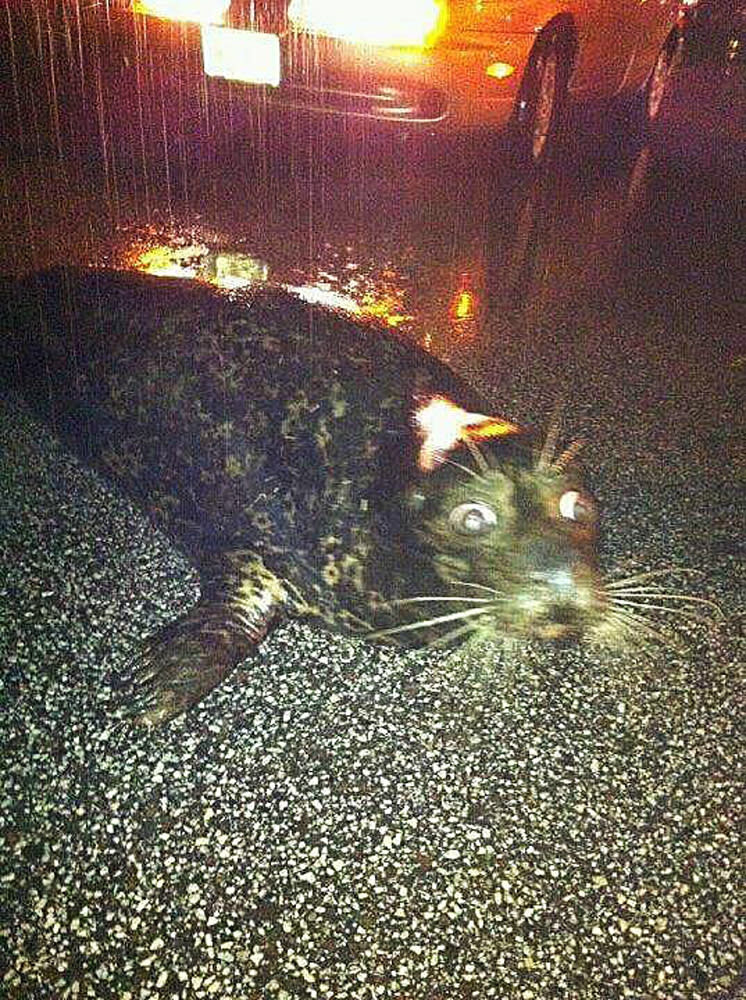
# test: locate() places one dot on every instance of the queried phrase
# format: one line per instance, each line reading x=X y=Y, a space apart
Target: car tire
x=539 y=111
x=659 y=81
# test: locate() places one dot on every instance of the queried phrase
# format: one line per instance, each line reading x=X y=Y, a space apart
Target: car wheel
x=541 y=103
x=659 y=80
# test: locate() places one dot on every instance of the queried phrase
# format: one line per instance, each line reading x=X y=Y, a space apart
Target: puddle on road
x=433 y=253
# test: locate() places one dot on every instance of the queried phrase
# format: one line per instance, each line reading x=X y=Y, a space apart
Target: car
x=431 y=65
x=715 y=32
x=704 y=115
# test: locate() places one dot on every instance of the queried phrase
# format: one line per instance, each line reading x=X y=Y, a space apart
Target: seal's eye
x=473 y=518
x=575 y=507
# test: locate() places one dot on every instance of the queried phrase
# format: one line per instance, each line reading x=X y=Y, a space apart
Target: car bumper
x=446 y=86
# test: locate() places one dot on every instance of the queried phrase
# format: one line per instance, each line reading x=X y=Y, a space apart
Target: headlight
x=373 y=22
x=199 y=11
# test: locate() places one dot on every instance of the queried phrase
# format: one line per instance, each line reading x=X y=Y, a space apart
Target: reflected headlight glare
x=463 y=306
x=198 y=11
x=383 y=22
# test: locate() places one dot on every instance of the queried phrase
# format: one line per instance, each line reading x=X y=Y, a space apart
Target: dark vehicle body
x=417 y=65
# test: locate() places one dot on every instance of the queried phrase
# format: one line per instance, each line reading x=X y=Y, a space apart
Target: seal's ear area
x=442 y=425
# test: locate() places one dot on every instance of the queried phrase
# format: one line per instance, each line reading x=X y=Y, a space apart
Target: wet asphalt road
x=348 y=822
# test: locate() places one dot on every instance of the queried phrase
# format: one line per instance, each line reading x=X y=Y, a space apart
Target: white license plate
x=248 y=56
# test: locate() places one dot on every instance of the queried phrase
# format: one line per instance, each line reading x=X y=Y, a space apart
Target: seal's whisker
x=610 y=631
x=561 y=463
x=632 y=624
x=362 y=622
x=477 y=586
x=544 y=460
x=649 y=575
x=423 y=599
x=425 y=623
x=667 y=609
x=663 y=595
x=653 y=590
x=448 y=637
x=476 y=453
x=465 y=468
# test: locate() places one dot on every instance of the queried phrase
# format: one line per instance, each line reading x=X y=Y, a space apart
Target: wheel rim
x=546 y=99
x=657 y=85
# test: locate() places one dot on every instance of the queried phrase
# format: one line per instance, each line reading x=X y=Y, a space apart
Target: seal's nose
x=563 y=584
x=551 y=562
x=559 y=581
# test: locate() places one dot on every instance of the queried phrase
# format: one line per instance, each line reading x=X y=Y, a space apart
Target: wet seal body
x=308 y=464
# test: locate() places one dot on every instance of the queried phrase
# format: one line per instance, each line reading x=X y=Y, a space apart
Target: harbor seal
x=309 y=464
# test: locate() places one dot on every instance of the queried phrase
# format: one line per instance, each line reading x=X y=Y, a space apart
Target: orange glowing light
x=387 y=22
x=491 y=427
x=500 y=70
x=167 y=261
x=226 y=270
x=463 y=305
x=387 y=308
x=443 y=425
x=197 y=11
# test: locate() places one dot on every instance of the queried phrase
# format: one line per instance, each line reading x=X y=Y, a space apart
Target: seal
x=309 y=464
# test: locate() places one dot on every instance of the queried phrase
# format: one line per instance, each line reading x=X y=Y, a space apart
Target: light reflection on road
x=393 y=234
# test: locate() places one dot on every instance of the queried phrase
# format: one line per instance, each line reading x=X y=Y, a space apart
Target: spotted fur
x=278 y=444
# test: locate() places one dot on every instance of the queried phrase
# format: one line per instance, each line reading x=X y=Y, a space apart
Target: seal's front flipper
x=183 y=662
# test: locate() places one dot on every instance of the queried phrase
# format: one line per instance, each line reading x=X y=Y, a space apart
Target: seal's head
x=510 y=535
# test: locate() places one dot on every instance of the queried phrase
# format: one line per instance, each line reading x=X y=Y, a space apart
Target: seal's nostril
x=565 y=614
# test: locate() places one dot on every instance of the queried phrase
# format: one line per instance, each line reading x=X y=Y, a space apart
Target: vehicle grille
x=384 y=104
